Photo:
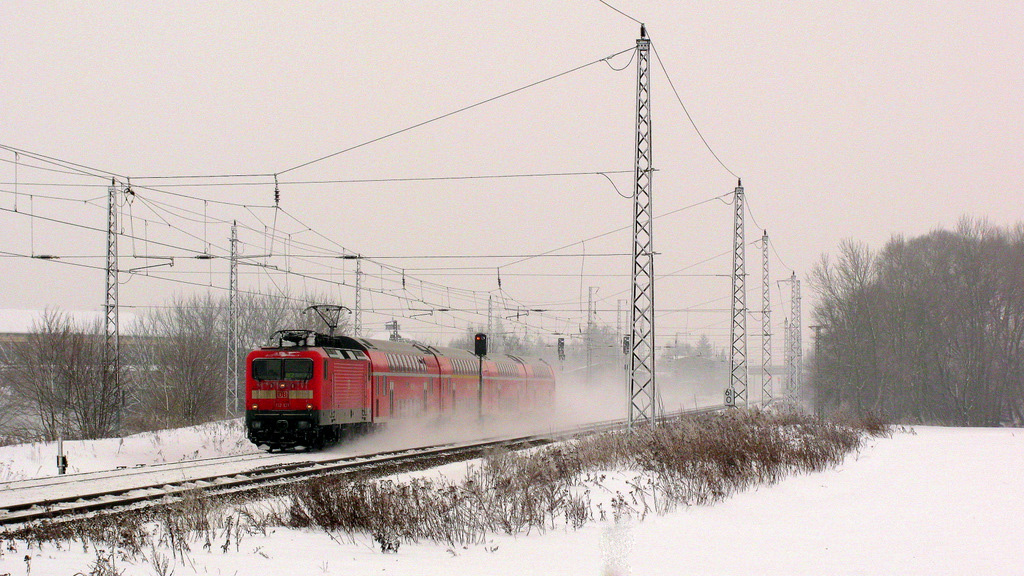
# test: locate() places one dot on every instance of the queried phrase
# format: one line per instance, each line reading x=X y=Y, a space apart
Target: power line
x=265 y=268
x=206 y=176
x=378 y=180
x=83 y=169
x=771 y=244
x=620 y=12
x=180 y=195
x=452 y=113
x=620 y=229
x=94 y=229
x=687 y=112
x=45 y=169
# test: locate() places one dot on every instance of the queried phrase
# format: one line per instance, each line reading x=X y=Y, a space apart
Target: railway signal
x=480 y=344
x=480 y=349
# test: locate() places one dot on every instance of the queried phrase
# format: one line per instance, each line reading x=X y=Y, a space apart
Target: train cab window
x=282 y=368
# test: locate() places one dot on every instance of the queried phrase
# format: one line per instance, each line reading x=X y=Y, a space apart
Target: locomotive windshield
x=282 y=369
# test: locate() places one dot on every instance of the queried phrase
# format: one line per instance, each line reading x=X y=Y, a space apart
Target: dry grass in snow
x=689 y=461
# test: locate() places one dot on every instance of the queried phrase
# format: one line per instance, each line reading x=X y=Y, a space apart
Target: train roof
x=403 y=347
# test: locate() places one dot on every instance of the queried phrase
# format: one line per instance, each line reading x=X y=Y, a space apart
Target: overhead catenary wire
x=620 y=11
x=771 y=244
x=206 y=218
x=80 y=168
x=620 y=229
x=379 y=180
x=277 y=269
x=52 y=170
x=323 y=253
x=155 y=206
x=687 y=112
x=452 y=113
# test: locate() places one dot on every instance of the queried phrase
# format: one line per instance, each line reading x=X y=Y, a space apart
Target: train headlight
x=255 y=406
x=309 y=406
x=255 y=424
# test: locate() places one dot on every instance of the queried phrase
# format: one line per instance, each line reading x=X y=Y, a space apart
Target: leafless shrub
x=508 y=493
x=687 y=461
x=161 y=563
x=105 y=564
x=694 y=460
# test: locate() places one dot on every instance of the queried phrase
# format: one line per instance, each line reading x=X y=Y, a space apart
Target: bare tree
x=181 y=364
x=179 y=369
x=57 y=377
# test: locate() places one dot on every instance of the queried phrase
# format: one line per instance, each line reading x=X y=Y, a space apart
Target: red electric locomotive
x=308 y=389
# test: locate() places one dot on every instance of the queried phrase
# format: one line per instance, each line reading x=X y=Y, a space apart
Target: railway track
x=69 y=497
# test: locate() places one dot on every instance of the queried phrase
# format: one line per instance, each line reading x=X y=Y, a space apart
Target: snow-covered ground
x=936 y=501
x=36 y=459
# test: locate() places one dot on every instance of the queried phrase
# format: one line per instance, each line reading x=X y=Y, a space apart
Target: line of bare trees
x=928 y=329
x=173 y=367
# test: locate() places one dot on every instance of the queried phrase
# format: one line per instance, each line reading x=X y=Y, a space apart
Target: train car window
x=282 y=369
x=298 y=368
x=266 y=369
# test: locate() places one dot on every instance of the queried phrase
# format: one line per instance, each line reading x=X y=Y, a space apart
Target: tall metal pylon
x=618 y=320
x=231 y=386
x=642 y=387
x=794 y=343
x=787 y=335
x=490 y=317
x=492 y=326
x=591 y=325
x=112 y=343
x=737 y=392
x=357 y=316
x=766 y=325
x=797 y=340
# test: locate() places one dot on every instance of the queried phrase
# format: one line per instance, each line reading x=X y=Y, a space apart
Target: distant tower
x=357 y=317
x=112 y=345
x=392 y=327
x=787 y=346
x=794 y=343
x=642 y=389
x=490 y=322
x=591 y=326
x=231 y=386
x=797 y=340
x=766 y=326
x=737 y=393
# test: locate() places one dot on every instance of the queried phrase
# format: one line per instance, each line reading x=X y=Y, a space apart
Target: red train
x=308 y=389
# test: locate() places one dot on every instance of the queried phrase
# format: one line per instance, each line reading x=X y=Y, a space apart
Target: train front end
x=283 y=397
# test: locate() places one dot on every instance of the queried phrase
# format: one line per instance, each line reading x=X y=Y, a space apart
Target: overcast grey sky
x=844 y=119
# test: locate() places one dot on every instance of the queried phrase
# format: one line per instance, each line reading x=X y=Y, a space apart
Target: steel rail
x=75 y=505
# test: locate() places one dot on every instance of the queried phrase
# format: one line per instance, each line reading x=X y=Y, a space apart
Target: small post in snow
x=62 y=460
